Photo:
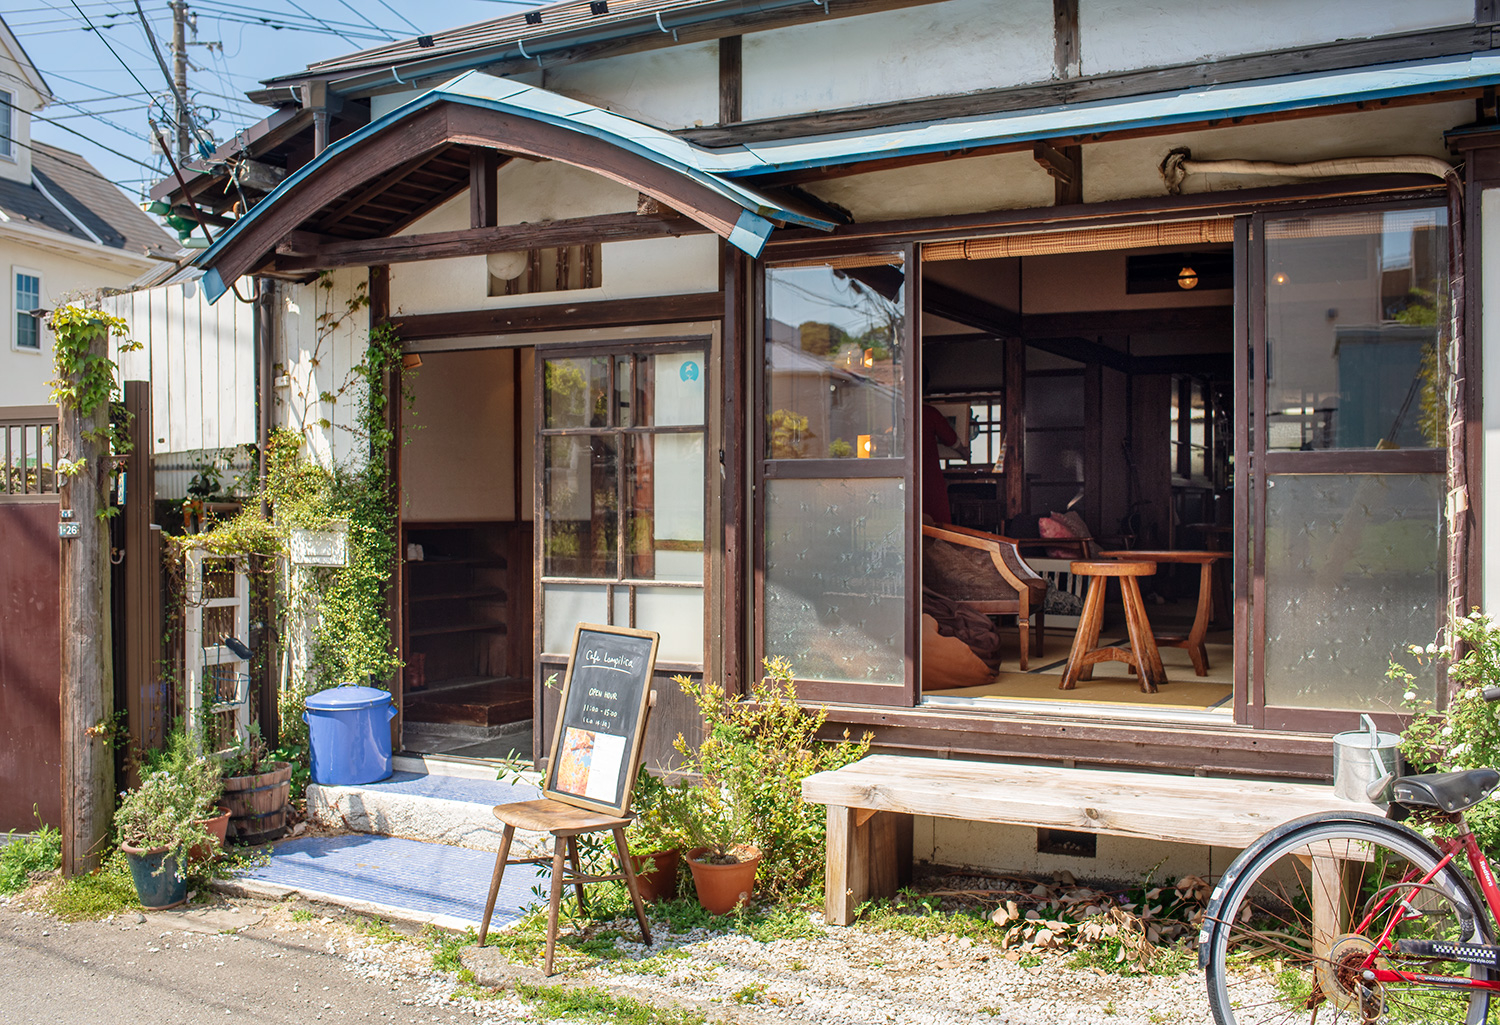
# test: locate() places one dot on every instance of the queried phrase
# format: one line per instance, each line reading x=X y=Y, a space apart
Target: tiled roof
x=78 y=189
x=551 y=19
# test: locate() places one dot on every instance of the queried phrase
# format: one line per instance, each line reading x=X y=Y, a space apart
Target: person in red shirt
x=936 y=430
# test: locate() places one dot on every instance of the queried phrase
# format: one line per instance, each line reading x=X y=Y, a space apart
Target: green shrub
x=21 y=857
x=755 y=753
x=1465 y=734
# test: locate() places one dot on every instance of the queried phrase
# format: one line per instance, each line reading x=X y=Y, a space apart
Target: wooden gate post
x=87 y=707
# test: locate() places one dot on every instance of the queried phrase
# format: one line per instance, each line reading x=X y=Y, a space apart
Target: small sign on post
x=321 y=547
x=601 y=718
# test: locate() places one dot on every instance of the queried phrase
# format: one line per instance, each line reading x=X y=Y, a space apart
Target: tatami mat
x=1112 y=683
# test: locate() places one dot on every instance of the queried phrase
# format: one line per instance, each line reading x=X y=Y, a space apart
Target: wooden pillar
x=731 y=78
x=1014 y=413
x=87 y=699
x=145 y=707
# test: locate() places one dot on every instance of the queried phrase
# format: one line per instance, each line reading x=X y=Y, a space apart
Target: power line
x=73 y=131
x=414 y=26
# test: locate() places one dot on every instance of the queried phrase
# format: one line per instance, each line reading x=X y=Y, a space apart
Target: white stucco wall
x=1123 y=35
x=1489 y=341
x=677 y=87
x=952 y=47
x=533 y=191
x=1130 y=167
x=67 y=271
x=317 y=347
x=1006 y=181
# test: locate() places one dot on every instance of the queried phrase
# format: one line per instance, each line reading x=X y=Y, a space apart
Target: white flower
x=1457 y=749
x=1432 y=649
x=1447 y=731
x=1446 y=651
x=1410 y=695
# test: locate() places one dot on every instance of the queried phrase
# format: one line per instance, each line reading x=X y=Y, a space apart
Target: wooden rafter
x=377 y=188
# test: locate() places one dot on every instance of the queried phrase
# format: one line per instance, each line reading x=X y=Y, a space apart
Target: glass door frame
x=762 y=469
x=631 y=347
x=1254 y=463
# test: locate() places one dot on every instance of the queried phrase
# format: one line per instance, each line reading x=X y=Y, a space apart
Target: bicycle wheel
x=1300 y=911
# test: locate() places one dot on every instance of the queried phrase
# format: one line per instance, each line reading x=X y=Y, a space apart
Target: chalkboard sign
x=601 y=717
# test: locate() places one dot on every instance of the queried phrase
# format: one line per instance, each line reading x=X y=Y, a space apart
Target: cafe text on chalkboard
x=601 y=718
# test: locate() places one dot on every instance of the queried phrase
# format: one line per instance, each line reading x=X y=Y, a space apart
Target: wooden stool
x=566 y=824
x=1143 y=658
x=1193 y=641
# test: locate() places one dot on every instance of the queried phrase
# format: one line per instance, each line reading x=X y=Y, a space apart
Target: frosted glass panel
x=564 y=606
x=1354 y=572
x=672 y=388
x=835 y=578
x=677 y=614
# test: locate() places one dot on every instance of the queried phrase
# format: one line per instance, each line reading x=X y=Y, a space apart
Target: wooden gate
x=217 y=681
x=30 y=642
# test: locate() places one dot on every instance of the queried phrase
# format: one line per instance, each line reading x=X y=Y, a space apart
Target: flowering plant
x=1466 y=733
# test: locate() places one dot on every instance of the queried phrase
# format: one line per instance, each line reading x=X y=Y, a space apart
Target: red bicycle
x=1349 y=917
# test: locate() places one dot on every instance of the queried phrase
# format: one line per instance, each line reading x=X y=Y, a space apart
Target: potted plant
x=716 y=824
x=159 y=828
x=199 y=774
x=257 y=788
x=654 y=839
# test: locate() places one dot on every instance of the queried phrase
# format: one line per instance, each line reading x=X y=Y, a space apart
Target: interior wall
x=1084 y=282
x=459 y=462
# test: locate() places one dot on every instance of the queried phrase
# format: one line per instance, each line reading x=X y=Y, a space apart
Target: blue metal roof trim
x=1184 y=106
x=478 y=89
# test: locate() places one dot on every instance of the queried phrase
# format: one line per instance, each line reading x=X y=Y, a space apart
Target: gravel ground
x=848 y=976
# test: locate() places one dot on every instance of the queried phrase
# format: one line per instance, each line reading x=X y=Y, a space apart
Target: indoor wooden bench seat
x=871 y=802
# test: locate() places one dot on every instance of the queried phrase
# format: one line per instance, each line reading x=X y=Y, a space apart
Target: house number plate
x=67 y=529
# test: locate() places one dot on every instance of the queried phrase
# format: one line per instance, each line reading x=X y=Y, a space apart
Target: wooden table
x=1193 y=642
x=1142 y=656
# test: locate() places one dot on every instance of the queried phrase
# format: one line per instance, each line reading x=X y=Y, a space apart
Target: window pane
x=7 y=148
x=579 y=507
x=670 y=389
x=576 y=392
x=564 y=606
x=28 y=298
x=835 y=578
x=833 y=362
x=1356 y=307
x=664 y=507
x=677 y=614
x=1354 y=572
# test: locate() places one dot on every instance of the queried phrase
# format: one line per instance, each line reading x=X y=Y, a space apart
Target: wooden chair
x=566 y=823
x=1015 y=589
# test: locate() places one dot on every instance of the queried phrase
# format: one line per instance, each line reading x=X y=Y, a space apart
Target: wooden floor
x=481 y=701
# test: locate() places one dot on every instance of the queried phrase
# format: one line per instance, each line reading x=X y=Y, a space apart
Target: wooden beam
x=731 y=76
x=1270 y=64
x=438 y=245
x=483 y=186
x=1083 y=351
x=378 y=187
x=1065 y=57
x=951 y=304
x=662 y=309
x=1065 y=165
x=1206 y=319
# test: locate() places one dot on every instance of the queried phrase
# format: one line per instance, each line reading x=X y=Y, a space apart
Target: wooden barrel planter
x=258 y=804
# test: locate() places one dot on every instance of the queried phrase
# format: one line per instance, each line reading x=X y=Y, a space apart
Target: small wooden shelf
x=457 y=628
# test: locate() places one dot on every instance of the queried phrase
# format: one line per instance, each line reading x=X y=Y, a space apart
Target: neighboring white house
x=65 y=230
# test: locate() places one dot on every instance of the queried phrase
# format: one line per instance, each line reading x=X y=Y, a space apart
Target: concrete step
x=433 y=798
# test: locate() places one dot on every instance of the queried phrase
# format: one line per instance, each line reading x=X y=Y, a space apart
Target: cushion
x=963 y=574
x=1074 y=523
x=1054 y=528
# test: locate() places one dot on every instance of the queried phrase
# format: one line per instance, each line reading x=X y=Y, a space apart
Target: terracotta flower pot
x=158 y=883
x=218 y=827
x=722 y=888
x=656 y=874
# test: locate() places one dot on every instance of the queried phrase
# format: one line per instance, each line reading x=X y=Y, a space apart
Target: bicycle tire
x=1265 y=961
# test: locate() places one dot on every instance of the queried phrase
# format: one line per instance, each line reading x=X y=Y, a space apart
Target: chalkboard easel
x=601 y=718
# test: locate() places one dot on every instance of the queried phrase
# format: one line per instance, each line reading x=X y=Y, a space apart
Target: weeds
x=589 y=1003
x=21 y=858
x=106 y=891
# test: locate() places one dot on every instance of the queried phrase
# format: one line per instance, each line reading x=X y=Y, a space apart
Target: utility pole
x=179 y=77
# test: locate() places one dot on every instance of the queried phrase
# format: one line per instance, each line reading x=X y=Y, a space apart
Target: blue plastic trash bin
x=349 y=734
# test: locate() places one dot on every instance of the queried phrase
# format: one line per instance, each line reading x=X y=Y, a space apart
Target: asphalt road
x=228 y=962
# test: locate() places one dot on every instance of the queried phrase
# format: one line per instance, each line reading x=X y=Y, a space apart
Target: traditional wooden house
x=682 y=274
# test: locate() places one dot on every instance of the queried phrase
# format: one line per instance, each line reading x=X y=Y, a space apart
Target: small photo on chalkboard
x=601 y=720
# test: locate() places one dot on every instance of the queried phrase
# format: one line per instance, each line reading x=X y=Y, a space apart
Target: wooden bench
x=870 y=805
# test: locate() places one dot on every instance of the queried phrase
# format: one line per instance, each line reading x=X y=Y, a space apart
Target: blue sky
x=105 y=77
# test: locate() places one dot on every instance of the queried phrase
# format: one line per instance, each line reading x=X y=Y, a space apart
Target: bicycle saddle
x=1450 y=791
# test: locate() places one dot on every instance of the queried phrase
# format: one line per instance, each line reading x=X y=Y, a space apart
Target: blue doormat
x=454 y=788
x=427 y=881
